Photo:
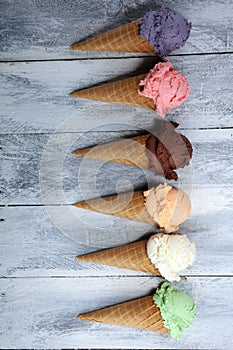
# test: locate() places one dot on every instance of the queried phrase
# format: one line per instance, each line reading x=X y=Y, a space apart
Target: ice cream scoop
x=165 y=86
x=165 y=30
x=167 y=206
x=170 y=254
x=160 y=31
x=177 y=308
x=168 y=150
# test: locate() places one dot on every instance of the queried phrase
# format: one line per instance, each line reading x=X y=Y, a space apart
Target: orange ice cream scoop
x=167 y=206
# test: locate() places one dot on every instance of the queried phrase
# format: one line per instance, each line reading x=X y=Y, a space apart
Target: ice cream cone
x=123 y=91
x=131 y=256
x=163 y=153
x=140 y=313
x=128 y=152
x=128 y=205
x=124 y=38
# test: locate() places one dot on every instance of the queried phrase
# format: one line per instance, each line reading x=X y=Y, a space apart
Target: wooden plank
x=41 y=313
x=40 y=91
x=34 y=30
x=33 y=243
x=35 y=164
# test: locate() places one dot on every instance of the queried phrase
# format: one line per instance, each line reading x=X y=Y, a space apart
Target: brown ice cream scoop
x=168 y=150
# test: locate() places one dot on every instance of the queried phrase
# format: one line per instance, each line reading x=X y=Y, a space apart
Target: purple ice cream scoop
x=165 y=30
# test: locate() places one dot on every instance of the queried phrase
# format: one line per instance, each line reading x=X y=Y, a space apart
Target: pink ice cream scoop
x=167 y=87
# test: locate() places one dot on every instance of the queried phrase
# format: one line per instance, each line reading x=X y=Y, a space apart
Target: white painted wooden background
x=43 y=287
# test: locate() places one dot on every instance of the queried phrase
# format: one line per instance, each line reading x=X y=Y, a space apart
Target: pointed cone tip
x=80 y=317
x=77 y=153
x=72 y=93
x=73 y=46
x=80 y=152
x=85 y=317
x=80 y=257
x=77 y=93
x=81 y=205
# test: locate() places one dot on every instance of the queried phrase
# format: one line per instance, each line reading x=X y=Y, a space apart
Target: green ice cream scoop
x=177 y=308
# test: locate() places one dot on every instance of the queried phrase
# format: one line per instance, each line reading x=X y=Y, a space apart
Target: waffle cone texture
x=140 y=313
x=130 y=256
x=123 y=91
x=128 y=152
x=128 y=205
x=124 y=38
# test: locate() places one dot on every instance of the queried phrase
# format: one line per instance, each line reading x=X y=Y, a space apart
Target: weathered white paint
x=41 y=313
x=45 y=29
x=32 y=245
x=36 y=95
x=66 y=179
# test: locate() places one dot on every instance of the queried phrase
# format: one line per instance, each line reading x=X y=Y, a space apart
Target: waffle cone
x=128 y=205
x=128 y=152
x=124 y=38
x=123 y=91
x=130 y=256
x=140 y=313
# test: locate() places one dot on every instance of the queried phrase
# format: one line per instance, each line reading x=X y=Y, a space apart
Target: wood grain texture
x=43 y=287
x=41 y=313
x=33 y=243
x=35 y=164
x=35 y=95
x=33 y=30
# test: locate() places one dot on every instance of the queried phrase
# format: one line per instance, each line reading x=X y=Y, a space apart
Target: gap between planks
x=113 y=276
x=114 y=58
x=112 y=131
